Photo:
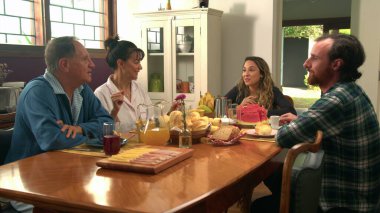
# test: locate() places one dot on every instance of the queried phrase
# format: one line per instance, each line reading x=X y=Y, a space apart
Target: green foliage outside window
x=309 y=31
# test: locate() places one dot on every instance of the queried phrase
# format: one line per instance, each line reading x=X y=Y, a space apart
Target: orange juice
x=156 y=136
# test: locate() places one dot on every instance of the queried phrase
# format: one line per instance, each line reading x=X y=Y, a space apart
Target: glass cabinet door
x=185 y=48
x=156 y=64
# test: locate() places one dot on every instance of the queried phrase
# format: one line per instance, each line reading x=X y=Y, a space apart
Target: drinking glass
x=232 y=111
x=274 y=121
x=111 y=141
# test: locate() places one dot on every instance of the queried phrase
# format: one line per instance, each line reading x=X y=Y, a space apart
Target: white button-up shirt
x=128 y=112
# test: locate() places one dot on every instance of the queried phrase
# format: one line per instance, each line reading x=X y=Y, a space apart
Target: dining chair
x=301 y=177
x=5 y=143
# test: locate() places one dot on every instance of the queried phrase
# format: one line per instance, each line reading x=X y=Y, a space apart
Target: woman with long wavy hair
x=256 y=86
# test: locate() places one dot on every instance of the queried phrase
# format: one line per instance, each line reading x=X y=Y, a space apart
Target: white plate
x=253 y=133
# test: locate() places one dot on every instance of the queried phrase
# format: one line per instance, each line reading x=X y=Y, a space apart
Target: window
x=155 y=36
x=18 y=21
x=298 y=39
x=31 y=23
x=81 y=18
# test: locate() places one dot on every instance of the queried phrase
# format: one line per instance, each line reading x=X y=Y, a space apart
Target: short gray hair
x=58 y=48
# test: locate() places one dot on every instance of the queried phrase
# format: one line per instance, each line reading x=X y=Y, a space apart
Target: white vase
x=185 y=47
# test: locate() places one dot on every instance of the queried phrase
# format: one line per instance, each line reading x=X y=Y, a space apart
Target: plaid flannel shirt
x=351 y=141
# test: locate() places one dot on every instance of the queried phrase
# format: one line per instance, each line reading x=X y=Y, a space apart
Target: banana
x=205 y=108
x=210 y=104
x=201 y=101
x=210 y=100
x=207 y=100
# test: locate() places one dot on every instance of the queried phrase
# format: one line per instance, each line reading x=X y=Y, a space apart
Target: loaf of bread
x=263 y=129
x=226 y=133
x=176 y=119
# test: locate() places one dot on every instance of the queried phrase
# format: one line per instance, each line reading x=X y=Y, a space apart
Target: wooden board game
x=146 y=159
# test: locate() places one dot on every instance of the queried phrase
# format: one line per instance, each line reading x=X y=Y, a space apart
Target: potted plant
x=4 y=71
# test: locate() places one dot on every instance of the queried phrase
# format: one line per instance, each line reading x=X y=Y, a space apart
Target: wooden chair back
x=288 y=166
x=5 y=143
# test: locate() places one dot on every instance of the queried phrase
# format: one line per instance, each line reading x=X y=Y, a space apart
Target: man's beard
x=311 y=80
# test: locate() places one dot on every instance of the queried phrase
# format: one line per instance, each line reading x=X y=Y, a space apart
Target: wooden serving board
x=144 y=168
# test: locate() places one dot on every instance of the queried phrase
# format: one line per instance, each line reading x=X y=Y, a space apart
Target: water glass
x=111 y=141
x=274 y=121
x=232 y=111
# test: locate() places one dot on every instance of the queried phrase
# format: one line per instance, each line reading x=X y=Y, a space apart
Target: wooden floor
x=260 y=191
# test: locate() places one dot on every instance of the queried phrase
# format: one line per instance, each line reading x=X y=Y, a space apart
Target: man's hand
x=71 y=130
x=287 y=118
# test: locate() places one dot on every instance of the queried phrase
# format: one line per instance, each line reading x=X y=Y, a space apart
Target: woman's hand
x=117 y=100
x=71 y=130
x=248 y=100
x=287 y=118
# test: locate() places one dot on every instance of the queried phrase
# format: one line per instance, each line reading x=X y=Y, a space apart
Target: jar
x=185 y=140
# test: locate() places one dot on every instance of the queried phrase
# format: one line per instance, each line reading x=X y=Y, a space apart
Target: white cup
x=274 y=121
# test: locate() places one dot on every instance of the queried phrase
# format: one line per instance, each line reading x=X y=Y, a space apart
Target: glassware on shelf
x=155 y=83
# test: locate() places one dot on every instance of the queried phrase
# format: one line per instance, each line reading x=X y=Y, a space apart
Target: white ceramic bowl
x=185 y=47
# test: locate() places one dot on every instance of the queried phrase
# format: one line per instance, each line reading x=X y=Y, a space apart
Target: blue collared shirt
x=76 y=104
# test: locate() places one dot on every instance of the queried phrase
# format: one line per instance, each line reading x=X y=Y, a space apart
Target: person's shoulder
x=138 y=86
x=235 y=87
x=276 y=89
x=345 y=89
x=233 y=90
x=86 y=87
x=135 y=83
x=40 y=80
x=100 y=88
x=39 y=84
x=87 y=90
x=343 y=92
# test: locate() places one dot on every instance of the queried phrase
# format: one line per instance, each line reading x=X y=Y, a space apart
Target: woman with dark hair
x=121 y=94
x=256 y=86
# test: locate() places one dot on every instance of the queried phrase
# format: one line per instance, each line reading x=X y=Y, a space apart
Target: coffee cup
x=274 y=121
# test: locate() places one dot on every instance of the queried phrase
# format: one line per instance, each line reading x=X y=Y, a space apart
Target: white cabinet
x=183 y=53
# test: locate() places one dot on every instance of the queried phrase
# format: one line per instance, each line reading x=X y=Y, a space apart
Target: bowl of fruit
x=206 y=104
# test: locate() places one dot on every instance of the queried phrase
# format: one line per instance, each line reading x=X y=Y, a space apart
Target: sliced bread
x=226 y=133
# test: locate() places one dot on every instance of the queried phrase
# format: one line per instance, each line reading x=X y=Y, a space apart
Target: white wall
x=316 y=9
x=365 y=25
x=247 y=29
x=250 y=27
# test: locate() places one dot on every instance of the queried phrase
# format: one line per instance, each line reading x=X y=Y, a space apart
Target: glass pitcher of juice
x=153 y=128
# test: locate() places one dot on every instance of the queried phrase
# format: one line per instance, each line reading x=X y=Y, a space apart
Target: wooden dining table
x=212 y=180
